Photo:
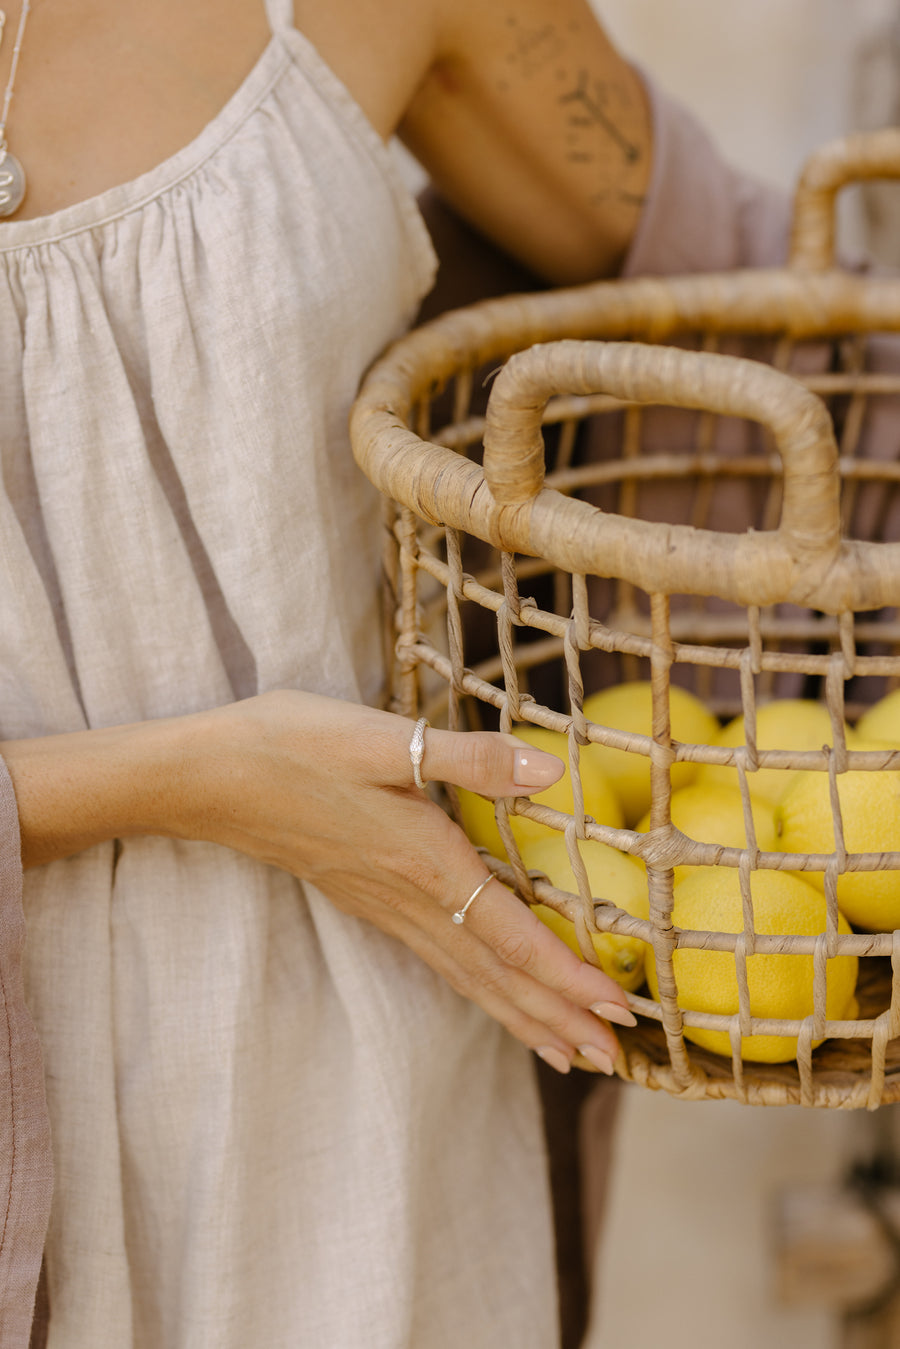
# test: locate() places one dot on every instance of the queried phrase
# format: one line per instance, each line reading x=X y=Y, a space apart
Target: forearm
x=222 y=775
x=79 y=789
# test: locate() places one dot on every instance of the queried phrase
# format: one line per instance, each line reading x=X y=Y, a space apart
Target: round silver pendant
x=12 y=184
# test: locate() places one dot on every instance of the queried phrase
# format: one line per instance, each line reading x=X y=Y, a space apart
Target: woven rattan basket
x=742 y=548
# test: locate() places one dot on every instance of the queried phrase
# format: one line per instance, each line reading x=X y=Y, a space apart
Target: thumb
x=488 y=762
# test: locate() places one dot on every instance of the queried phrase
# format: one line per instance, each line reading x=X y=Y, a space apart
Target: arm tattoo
x=586 y=105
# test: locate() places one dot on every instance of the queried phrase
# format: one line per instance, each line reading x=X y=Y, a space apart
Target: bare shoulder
x=382 y=50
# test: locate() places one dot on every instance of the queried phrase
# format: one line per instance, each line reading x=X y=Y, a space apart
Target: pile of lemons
x=792 y=813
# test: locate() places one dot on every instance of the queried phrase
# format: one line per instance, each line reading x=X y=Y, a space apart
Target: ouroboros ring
x=417 y=750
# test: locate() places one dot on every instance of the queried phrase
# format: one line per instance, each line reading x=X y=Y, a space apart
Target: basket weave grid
x=505 y=589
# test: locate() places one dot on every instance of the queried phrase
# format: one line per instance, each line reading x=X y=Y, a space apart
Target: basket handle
x=636 y=373
x=850 y=159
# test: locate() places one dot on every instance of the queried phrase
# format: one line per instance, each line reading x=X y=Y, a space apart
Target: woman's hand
x=324 y=789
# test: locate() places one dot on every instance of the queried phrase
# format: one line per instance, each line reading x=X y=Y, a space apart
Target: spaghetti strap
x=280 y=14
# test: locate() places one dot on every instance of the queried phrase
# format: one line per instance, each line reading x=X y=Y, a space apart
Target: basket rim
x=443 y=487
x=391 y=439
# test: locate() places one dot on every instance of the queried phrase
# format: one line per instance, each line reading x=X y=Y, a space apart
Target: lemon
x=712 y=814
x=600 y=800
x=612 y=875
x=786 y=723
x=882 y=720
x=870 y=812
x=627 y=707
x=781 y=986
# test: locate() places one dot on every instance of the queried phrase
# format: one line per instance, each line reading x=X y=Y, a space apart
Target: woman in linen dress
x=291 y=1104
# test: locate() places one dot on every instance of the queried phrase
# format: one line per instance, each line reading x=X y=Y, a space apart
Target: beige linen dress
x=273 y=1127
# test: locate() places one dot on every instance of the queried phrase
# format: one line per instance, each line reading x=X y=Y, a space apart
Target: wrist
x=87 y=787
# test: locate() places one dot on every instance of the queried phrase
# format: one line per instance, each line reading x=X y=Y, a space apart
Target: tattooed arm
x=537 y=131
x=527 y=118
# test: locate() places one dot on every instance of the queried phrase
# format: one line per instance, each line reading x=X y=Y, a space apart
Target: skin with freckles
x=536 y=130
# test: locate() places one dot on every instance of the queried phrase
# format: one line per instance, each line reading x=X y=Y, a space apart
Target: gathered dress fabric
x=272 y=1125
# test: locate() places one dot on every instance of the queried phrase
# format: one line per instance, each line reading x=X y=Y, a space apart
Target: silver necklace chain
x=12 y=175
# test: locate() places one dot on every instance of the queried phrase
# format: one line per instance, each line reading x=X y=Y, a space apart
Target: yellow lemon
x=870 y=812
x=786 y=723
x=627 y=707
x=781 y=986
x=712 y=814
x=882 y=720
x=612 y=875
x=600 y=800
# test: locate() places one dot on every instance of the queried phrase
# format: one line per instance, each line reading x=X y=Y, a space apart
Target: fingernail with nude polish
x=612 y=1011
x=598 y=1057
x=532 y=767
x=554 y=1057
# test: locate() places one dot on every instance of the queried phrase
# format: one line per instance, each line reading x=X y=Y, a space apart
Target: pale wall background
x=772 y=79
x=690 y=1251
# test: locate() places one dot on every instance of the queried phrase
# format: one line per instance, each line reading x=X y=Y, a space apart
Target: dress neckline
x=125 y=198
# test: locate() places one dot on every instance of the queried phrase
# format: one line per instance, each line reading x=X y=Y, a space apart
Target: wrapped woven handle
x=798 y=420
x=848 y=160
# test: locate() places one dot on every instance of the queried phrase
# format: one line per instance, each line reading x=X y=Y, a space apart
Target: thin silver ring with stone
x=460 y=915
x=417 y=750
